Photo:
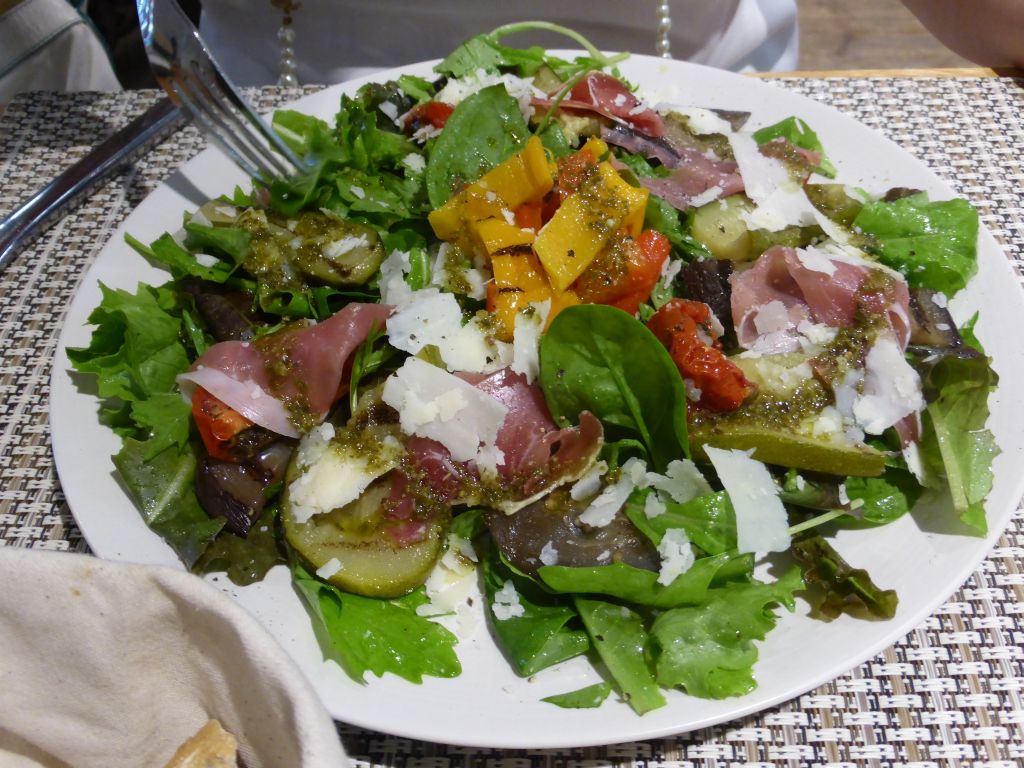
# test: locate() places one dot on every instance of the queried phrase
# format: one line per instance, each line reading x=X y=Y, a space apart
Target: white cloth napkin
x=108 y=664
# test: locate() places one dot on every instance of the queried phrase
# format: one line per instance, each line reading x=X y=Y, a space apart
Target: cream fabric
x=108 y=665
x=339 y=39
x=46 y=46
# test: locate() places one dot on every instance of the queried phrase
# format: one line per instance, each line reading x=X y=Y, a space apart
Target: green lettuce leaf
x=163 y=488
x=585 y=698
x=957 y=445
x=709 y=520
x=708 y=649
x=244 y=560
x=933 y=243
x=364 y=634
x=636 y=585
x=621 y=641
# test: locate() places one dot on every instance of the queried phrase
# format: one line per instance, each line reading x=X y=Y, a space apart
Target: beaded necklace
x=286 y=36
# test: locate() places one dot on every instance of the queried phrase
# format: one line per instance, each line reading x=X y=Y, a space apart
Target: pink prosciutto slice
x=605 y=95
x=693 y=172
x=298 y=367
x=811 y=286
x=537 y=456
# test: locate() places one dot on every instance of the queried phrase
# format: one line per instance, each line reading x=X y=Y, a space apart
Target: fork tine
x=213 y=132
x=184 y=67
x=220 y=107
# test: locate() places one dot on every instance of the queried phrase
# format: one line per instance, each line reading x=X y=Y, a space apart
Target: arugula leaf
x=368 y=358
x=708 y=649
x=163 y=488
x=229 y=241
x=164 y=250
x=800 y=135
x=621 y=641
x=364 y=634
x=540 y=637
x=933 y=243
x=585 y=698
x=600 y=359
x=484 y=130
x=837 y=588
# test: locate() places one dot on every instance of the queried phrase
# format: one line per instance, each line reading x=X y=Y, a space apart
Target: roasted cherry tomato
x=625 y=272
x=218 y=424
x=435 y=113
x=685 y=328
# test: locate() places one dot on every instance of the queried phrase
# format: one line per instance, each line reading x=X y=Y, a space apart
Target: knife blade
x=129 y=143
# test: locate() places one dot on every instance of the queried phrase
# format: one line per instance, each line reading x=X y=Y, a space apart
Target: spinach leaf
x=541 y=635
x=800 y=135
x=484 y=130
x=585 y=698
x=933 y=243
x=708 y=649
x=600 y=359
x=835 y=587
x=621 y=641
x=364 y=634
x=886 y=497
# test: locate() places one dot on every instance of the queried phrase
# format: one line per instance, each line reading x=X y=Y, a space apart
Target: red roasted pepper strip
x=218 y=424
x=684 y=327
x=625 y=274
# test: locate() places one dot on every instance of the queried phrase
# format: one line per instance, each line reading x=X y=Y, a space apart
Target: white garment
x=336 y=40
x=45 y=45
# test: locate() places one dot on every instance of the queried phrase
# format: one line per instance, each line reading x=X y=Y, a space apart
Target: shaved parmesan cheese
x=761 y=522
x=676 y=555
x=393 y=288
x=548 y=554
x=506 y=603
x=430 y=317
x=452 y=579
x=703 y=121
x=681 y=482
x=335 y=474
x=329 y=568
x=590 y=483
x=529 y=325
x=414 y=162
x=653 y=506
x=433 y=403
x=892 y=388
x=348 y=243
x=771 y=317
x=603 y=509
x=708 y=195
x=816 y=261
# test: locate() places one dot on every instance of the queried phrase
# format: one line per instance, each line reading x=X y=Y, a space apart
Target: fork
x=185 y=69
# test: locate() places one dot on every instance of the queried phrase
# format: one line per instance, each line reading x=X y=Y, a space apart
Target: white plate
x=921 y=556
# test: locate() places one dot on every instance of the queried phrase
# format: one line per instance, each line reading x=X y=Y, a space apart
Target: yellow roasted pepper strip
x=586 y=221
x=519 y=281
x=526 y=176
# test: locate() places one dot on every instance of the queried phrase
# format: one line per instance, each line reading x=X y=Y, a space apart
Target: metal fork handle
x=138 y=136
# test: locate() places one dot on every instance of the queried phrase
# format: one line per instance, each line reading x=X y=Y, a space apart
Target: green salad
x=519 y=330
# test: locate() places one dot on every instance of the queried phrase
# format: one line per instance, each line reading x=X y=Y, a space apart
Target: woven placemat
x=949 y=693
